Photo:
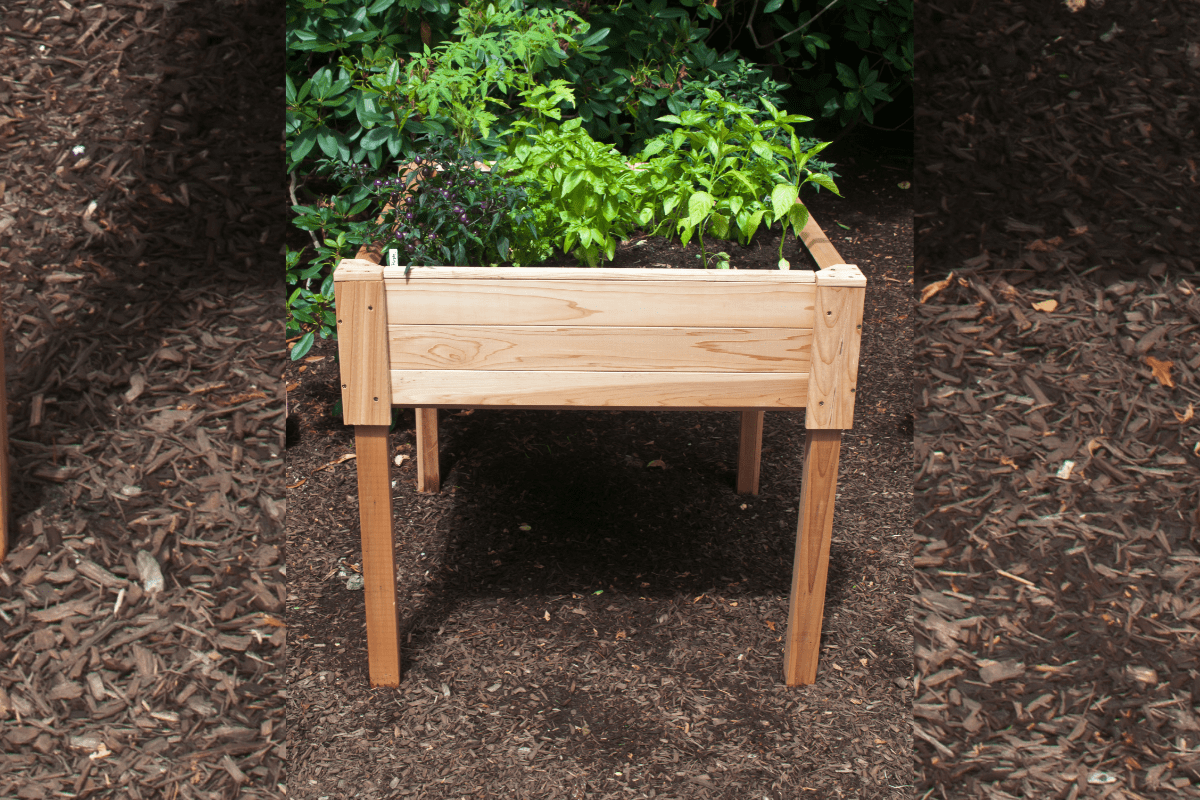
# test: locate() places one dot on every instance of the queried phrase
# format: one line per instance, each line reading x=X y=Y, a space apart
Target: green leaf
x=750 y=222
x=847 y=76
x=783 y=197
x=301 y=348
x=772 y=6
x=699 y=206
x=596 y=37
x=798 y=216
x=719 y=225
x=824 y=181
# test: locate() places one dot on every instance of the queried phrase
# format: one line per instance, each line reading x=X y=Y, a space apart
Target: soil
x=1057 y=143
x=588 y=608
x=141 y=200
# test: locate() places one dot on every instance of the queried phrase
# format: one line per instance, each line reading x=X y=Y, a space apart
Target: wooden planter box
x=579 y=338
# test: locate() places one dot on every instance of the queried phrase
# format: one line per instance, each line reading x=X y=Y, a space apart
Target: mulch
x=1057 y=143
x=141 y=200
x=1057 y=447
x=1058 y=539
x=588 y=608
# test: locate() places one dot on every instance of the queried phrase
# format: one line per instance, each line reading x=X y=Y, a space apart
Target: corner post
x=833 y=384
x=367 y=405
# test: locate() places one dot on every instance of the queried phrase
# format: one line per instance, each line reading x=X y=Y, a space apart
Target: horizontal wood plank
x=459 y=388
x=606 y=274
x=600 y=301
x=594 y=348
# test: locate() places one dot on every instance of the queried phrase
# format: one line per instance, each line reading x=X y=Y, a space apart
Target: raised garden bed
x=578 y=338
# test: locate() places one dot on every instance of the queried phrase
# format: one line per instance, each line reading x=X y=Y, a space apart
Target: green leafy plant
x=374 y=98
x=447 y=210
x=721 y=173
x=584 y=193
x=309 y=312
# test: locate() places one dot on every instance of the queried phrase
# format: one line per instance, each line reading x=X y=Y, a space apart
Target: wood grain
x=418 y=275
x=363 y=352
x=749 y=452
x=429 y=472
x=585 y=348
x=837 y=338
x=818 y=245
x=459 y=388
x=813 y=533
x=602 y=301
x=379 y=559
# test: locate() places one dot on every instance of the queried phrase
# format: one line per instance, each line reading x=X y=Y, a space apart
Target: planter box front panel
x=593 y=348
x=600 y=301
x=462 y=336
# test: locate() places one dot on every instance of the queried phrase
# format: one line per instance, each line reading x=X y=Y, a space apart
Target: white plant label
x=393 y=258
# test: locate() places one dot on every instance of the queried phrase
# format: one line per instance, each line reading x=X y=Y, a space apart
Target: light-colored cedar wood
x=813 y=534
x=429 y=474
x=436 y=387
x=598 y=300
x=363 y=352
x=4 y=476
x=749 y=452
x=379 y=559
x=837 y=337
x=358 y=269
x=724 y=277
x=817 y=244
x=842 y=275
x=592 y=348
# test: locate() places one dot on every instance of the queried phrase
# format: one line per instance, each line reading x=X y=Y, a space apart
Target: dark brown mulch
x=1058 y=539
x=1056 y=141
x=142 y=307
x=589 y=610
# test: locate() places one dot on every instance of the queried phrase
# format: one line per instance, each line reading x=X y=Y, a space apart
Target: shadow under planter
x=578 y=338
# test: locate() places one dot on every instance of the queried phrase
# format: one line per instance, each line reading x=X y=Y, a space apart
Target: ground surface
x=143 y=324
x=1058 y=532
x=1049 y=140
x=579 y=622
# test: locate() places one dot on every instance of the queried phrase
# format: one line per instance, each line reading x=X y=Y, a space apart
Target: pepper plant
x=725 y=172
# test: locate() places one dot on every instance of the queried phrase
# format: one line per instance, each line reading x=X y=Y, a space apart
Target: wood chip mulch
x=1058 y=539
x=141 y=200
x=1074 y=130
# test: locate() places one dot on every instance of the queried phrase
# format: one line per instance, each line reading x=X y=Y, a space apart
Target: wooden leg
x=749 y=452
x=819 y=485
x=379 y=558
x=429 y=476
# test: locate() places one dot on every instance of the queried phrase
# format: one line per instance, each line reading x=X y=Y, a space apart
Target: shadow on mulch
x=1057 y=142
x=143 y=324
x=588 y=609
